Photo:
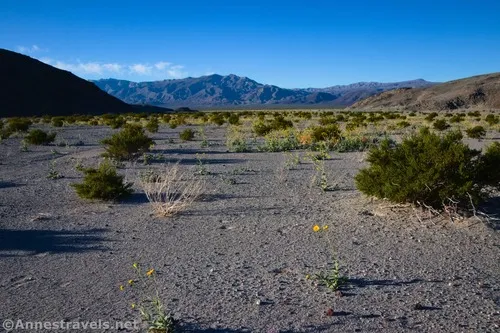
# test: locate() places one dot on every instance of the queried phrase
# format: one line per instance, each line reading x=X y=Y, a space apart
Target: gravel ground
x=237 y=259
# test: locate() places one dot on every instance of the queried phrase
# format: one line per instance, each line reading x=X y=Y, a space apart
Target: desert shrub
x=115 y=123
x=354 y=144
x=476 y=132
x=233 y=119
x=39 y=137
x=430 y=117
x=491 y=119
x=166 y=118
x=474 y=114
x=57 y=121
x=457 y=118
x=102 y=183
x=217 y=118
x=429 y=169
x=173 y=123
x=18 y=125
x=327 y=121
x=127 y=143
x=152 y=125
x=284 y=141
x=412 y=114
x=329 y=133
x=440 y=124
x=403 y=124
x=186 y=135
x=170 y=191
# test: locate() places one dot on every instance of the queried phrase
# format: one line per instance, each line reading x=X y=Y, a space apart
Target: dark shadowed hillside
x=477 y=92
x=29 y=87
x=232 y=90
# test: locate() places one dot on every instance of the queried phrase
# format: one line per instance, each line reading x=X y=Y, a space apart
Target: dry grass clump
x=171 y=190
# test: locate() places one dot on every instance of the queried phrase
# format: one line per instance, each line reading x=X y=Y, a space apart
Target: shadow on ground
x=492 y=208
x=40 y=241
x=362 y=283
x=189 y=327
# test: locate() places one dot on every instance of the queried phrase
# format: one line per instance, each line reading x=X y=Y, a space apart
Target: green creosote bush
x=275 y=142
x=476 y=132
x=440 y=125
x=127 y=143
x=115 y=123
x=102 y=183
x=262 y=128
x=57 y=121
x=329 y=133
x=403 y=124
x=234 y=119
x=457 y=118
x=430 y=169
x=430 y=117
x=18 y=125
x=39 y=137
x=217 y=118
x=491 y=119
x=153 y=125
x=474 y=114
x=186 y=135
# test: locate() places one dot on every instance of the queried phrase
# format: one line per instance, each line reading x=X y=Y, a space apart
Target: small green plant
x=39 y=137
x=24 y=147
x=127 y=143
x=291 y=160
x=102 y=183
x=186 y=135
x=203 y=136
x=331 y=279
x=320 y=178
x=201 y=168
x=151 y=309
x=53 y=173
x=476 y=132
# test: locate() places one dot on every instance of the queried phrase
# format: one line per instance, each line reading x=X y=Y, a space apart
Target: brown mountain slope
x=477 y=92
x=29 y=87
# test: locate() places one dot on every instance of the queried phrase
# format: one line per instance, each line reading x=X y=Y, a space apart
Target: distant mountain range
x=232 y=91
x=476 y=92
x=29 y=87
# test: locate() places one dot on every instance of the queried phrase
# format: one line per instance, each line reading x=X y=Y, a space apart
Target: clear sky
x=286 y=43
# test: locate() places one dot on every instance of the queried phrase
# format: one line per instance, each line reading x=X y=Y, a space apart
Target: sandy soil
x=236 y=261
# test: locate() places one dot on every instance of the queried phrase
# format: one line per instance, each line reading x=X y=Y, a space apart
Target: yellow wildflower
x=316 y=228
x=122 y=287
x=133 y=305
x=130 y=282
x=307 y=277
x=325 y=227
x=135 y=265
x=150 y=272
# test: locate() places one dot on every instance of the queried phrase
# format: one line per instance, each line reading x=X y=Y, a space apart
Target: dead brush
x=171 y=191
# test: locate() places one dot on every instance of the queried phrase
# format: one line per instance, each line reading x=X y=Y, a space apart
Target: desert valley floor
x=237 y=259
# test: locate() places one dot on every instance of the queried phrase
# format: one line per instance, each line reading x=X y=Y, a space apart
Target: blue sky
x=285 y=43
